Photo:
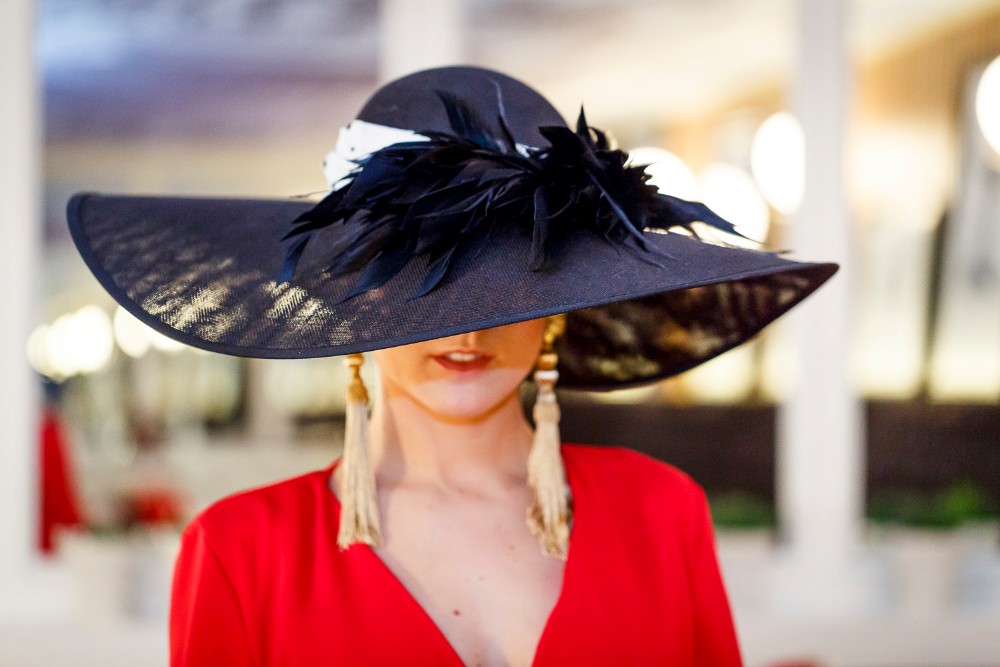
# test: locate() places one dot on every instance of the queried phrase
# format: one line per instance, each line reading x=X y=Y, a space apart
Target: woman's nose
x=470 y=339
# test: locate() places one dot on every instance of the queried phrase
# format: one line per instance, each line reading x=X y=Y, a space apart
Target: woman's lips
x=463 y=360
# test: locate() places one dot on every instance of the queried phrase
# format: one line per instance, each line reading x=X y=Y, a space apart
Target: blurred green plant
x=742 y=511
x=961 y=503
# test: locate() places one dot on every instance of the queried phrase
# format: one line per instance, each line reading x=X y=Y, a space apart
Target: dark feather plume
x=444 y=196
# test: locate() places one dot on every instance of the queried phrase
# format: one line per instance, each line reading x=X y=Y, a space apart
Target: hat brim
x=203 y=271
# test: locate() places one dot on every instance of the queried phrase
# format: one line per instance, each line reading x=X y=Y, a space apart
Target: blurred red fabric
x=58 y=501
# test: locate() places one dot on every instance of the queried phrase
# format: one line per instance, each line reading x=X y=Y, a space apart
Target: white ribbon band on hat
x=355 y=143
x=359 y=140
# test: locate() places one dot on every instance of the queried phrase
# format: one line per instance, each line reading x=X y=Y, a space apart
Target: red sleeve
x=714 y=636
x=207 y=626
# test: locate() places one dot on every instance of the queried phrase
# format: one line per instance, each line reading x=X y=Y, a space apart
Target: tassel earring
x=359 y=519
x=549 y=517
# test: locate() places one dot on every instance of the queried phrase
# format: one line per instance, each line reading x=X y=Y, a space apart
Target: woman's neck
x=411 y=445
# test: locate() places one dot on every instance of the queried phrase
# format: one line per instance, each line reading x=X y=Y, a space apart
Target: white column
x=416 y=35
x=20 y=213
x=820 y=454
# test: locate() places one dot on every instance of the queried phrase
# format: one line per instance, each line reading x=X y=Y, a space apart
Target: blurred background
x=851 y=453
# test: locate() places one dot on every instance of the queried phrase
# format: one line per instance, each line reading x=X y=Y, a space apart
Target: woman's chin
x=466 y=399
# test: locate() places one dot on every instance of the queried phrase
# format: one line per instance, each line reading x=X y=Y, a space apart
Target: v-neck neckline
x=404 y=592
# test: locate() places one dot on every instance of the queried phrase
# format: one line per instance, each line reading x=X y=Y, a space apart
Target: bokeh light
x=76 y=343
x=988 y=104
x=131 y=334
x=777 y=161
x=731 y=192
x=162 y=343
x=667 y=172
x=729 y=378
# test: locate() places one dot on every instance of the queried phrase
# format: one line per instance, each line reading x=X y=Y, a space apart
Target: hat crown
x=413 y=103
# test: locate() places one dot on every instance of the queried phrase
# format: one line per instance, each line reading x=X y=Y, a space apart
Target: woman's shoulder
x=628 y=471
x=616 y=487
x=264 y=509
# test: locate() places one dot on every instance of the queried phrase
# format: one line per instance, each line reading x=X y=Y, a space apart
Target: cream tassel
x=359 y=519
x=549 y=517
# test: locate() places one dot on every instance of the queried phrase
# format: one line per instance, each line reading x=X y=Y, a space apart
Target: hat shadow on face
x=423 y=373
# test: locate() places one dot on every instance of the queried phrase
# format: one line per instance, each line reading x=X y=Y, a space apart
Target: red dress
x=260 y=580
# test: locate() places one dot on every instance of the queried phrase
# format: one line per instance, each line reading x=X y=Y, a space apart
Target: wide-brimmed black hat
x=489 y=211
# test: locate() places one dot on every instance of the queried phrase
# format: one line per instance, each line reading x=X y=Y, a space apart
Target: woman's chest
x=476 y=571
x=616 y=602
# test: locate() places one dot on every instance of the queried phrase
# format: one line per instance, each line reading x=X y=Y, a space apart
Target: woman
x=468 y=216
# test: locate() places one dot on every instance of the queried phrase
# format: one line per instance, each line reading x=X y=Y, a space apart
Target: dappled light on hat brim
x=203 y=271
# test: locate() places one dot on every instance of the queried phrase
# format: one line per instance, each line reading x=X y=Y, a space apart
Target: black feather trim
x=446 y=195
